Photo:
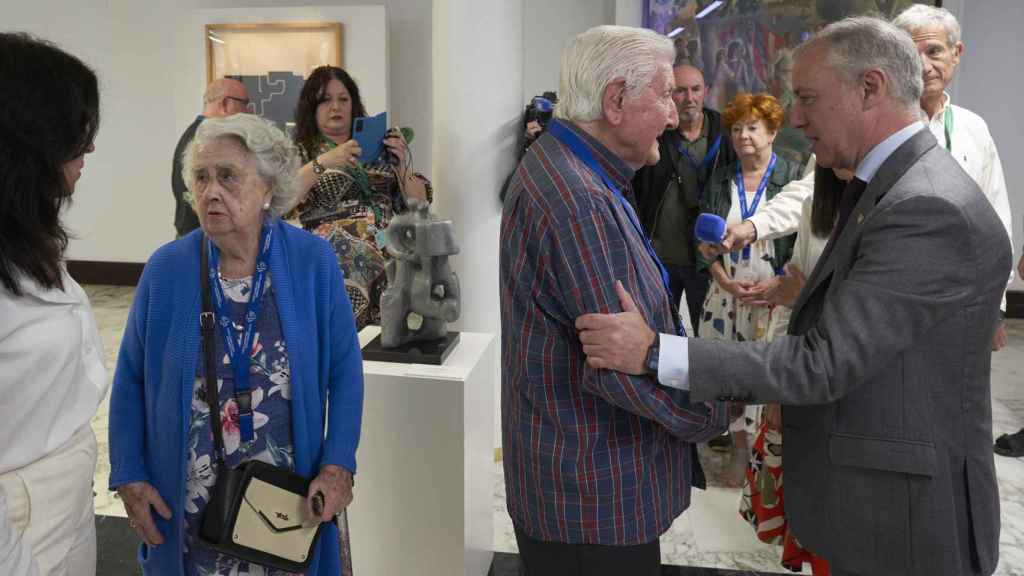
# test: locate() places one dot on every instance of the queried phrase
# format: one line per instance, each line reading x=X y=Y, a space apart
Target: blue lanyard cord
x=580 y=150
x=240 y=350
x=947 y=126
x=708 y=158
x=741 y=191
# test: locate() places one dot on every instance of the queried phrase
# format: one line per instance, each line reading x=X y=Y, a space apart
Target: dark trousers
x=561 y=559
x=695 y=284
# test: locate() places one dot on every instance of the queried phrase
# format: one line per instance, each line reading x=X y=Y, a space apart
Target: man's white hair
x=921 y=16
x=277 y=157
x=601 y=55
x=858 y=44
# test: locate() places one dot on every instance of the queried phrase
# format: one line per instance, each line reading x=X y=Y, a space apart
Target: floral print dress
x=270 y=383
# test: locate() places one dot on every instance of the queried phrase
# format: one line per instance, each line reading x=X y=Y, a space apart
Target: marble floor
x=710 y=534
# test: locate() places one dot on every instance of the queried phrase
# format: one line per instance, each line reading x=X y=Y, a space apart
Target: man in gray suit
x=884 y=375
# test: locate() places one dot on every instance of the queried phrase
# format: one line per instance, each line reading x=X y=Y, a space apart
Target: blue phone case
x=369 y=133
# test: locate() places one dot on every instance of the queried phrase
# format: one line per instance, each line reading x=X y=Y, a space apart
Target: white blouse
x=52 y=376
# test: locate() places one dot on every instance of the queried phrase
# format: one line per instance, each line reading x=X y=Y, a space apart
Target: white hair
x=861 y=43
x=277 y=157
x=596 y=58
x=920 y=16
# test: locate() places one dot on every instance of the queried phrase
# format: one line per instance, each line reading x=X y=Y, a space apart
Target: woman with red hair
x=735 y=308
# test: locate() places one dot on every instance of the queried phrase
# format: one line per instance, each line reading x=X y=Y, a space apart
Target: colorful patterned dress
x=724 y=317
x=348 y=208
x=270 y=382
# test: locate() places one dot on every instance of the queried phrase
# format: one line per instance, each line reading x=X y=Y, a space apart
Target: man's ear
x=958 y=51
x=874 y=86
x=612 y=101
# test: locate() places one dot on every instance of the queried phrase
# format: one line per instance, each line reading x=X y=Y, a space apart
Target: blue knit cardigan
x=150 y=404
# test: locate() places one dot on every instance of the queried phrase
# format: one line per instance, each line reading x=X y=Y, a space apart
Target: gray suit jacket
x=884 y=377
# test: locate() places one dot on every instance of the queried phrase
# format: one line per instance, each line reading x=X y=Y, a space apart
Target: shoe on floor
x=1011 y=445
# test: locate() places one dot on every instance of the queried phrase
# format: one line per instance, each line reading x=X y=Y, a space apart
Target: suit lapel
x=836 y=252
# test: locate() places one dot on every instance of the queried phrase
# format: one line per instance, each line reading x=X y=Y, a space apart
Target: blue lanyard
x=580 y=150
x=741 y=191
x=707 y=157
x=240 y=352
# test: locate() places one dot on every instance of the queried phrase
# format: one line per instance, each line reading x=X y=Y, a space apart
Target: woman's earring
x=266 y=205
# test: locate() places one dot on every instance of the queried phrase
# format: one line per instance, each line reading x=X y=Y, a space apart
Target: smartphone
x=369 y=132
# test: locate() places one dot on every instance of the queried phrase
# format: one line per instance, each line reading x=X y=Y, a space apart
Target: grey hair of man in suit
x=856 y=45
x=856 y=82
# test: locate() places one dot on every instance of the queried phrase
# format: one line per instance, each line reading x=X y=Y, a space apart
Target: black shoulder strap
x=206 y=326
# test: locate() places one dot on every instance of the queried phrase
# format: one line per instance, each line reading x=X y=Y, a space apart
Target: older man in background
x=965 y=134
x=223 y=97
x=597 y=463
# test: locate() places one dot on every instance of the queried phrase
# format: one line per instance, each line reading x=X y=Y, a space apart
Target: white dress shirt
x=973 y=148
x=674 y=351
x=52 y=377
x=780 y=216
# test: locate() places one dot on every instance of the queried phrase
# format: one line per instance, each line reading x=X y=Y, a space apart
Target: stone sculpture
x=423 y=292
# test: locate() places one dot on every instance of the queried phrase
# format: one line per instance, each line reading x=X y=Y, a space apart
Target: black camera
x=540 y=109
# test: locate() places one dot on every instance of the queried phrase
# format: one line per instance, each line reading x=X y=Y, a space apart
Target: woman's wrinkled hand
x=342 y=156
x=757 y=294
x=139 y=498
x=335 y=483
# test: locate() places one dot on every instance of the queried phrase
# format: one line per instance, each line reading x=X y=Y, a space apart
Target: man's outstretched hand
x=616 y=341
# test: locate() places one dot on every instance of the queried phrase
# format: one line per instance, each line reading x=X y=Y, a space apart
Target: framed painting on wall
x=273 y=60
x=747 y=45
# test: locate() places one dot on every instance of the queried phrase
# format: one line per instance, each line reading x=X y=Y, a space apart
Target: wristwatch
x=318 y=168
x=651 y=364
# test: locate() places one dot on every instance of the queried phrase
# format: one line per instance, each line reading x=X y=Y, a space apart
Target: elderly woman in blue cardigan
x=301 y=355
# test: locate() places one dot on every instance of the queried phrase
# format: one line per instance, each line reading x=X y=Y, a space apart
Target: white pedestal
x=424 y=484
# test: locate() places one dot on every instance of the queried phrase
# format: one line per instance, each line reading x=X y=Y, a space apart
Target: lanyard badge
x=741 y=191
x=240 y=349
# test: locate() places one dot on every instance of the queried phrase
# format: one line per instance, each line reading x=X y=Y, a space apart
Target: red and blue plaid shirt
x=591 y=456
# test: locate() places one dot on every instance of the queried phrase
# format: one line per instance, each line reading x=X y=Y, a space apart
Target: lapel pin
x=860 y=217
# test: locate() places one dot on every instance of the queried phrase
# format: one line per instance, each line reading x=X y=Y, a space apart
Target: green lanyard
x=948 y=123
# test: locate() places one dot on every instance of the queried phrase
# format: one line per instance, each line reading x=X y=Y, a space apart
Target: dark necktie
x=851 y=194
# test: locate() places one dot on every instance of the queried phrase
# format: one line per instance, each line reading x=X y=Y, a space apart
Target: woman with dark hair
x=344 y=201
x=52 y=377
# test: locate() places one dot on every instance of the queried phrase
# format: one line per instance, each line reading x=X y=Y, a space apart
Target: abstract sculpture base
x=427 y=352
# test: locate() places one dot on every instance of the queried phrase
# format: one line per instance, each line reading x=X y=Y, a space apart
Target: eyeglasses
x=244 y=101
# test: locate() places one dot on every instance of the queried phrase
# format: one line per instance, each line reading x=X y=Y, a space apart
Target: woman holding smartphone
x=343 y=200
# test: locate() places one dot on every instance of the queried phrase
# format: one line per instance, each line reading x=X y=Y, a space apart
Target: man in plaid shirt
x=597 y=463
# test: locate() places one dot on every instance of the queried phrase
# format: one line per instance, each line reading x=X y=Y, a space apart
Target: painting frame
x=272 y=59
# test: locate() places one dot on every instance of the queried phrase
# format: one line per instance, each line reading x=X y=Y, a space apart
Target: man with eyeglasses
x=223 y=97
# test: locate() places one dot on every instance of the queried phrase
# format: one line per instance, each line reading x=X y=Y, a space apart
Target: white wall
x=149 y=57
x=989 y=83
x=547 y=26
